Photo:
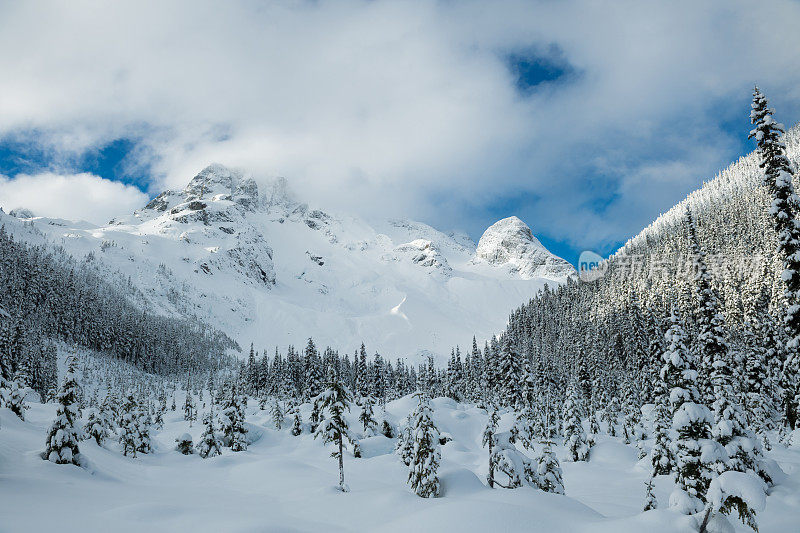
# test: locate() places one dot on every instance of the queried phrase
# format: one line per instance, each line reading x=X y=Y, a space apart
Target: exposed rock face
x=21 y=212
x=510 y=243
x=212 y=211
x=425 y=254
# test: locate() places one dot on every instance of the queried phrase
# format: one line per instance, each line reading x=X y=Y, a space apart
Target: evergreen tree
x=209 y=445
x=524 y=429
x=129 y=434
x=333 y=403
x=366 y=417
x=297 y=423
x=189 y=410
x=691 y=420
x=143 y=424
x=574 y=435
x=594 y=425
x=15 y=400
x=611 y=415
x=65 y=432
x=98 y=426
x=488 y=440
x=277 y=414
x=708 y=320
x=730 y=426
x=650 y=501
x=510 y=374
x=783 y=210
x=184 y=444
x=233 y=420
x=661 y=456
x=631 y=428
x=548 y=472
x=404 y=444
x=425 y=453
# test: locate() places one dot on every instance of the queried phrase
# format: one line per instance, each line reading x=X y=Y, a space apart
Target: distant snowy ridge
x=254 y=261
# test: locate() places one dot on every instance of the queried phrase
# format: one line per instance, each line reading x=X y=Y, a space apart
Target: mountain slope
x=262 y=266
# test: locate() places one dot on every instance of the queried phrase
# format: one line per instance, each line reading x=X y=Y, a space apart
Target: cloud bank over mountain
x=453 y=113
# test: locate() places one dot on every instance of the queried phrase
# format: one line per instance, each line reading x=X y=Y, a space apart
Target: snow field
x=287 y=483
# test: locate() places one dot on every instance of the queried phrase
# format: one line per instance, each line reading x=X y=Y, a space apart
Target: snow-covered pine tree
x=189 y=409
x=510 y=374
x=143 y=424
x=315 y=416
x=611 y=415
x=784 y=211
x=366 y=417
x=184 y=444
x=233 y=420
x=277 y=414
x=333 y=402
x=313 y=370
x=15 y=399
x=594 y=424
x=661 y=456
x=730 y=426
x=111 y=407
x=524 y=430
x=631 y=427
x=575 y=440
x=650 y=497
x=386 y=429
x=65 y=432
x=129 y=426
x=510 y=466
x=548 y=471
x=297 y=422
x=404 y=444
x=158 y=422
x=209 y=445
x=97 y=426
x=489 y=441
x=162 y=401
x=759 y=388
x=710 y=344
x=691 y=419
x=425 y=454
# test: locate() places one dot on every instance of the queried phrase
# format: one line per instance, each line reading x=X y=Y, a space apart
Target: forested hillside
x=48 y=296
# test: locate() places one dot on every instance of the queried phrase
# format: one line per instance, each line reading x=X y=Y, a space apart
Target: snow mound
x=751 y=489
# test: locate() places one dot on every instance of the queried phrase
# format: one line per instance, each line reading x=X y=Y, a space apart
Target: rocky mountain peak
x=510 y=242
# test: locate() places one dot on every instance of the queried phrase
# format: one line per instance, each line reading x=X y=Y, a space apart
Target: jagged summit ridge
x=214 y=183
x=510 y=242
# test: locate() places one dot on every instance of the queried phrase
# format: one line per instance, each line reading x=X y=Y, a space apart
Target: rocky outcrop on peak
x=510 y=243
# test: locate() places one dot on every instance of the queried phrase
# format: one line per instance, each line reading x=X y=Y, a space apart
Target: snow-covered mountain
x=262 y=266
x=510 y=243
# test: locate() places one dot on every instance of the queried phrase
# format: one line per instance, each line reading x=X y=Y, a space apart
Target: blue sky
x=30 y=157
x=584 y=120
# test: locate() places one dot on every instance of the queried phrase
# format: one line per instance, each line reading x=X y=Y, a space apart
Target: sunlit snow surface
x=287 y=483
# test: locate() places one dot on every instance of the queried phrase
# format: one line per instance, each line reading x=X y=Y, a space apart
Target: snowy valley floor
x=287 y=483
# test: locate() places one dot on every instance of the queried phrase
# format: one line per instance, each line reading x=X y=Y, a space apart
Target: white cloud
x=73 y=197
x=407 y=107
